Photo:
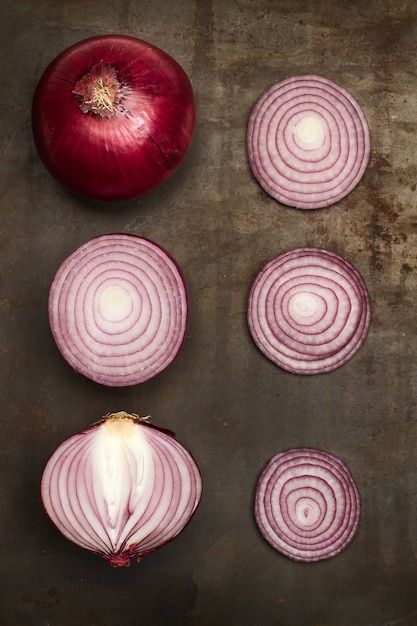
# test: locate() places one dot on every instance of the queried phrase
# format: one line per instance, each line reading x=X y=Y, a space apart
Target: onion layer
x=121 y=489
x=118 y=309
x=308 y=142
x=307 y=505
x=309 y=310
x=113 y=117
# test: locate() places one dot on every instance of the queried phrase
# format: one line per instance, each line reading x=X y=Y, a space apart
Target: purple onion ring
x=308 y=142
x=309 y=310
x=307 y=504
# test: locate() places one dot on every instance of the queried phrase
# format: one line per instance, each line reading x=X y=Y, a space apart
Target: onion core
x=309 y=311
x=122 y=488
x=308 y=142
x=113 y=117
x=307 y=505
x=118 y=309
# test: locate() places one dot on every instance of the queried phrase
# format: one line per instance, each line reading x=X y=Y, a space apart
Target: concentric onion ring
x=309 y=310
x=307 y=505
x=118 y=309
x=308 y=142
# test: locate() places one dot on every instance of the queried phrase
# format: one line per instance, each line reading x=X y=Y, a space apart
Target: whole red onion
x=113 y=117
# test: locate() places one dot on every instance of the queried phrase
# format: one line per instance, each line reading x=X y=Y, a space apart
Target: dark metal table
x=226 y=402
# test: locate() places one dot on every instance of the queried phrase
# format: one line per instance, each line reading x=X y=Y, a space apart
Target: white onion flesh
x=309 y=311
x=307 y=504
x=118 y=309
x=121 y=488
x=308 y=142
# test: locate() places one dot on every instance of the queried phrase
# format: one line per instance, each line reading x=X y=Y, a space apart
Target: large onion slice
x=122 y=488
x=308 y=142
x=307 y=505
x=118 y=309
x=309 y=310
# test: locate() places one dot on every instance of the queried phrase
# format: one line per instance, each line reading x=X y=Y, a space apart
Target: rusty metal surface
x=226 y=402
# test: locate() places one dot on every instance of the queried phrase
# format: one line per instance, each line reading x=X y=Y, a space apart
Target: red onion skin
x=126 y=156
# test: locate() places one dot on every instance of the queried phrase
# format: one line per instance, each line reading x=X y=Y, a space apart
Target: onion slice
x=122 y=488
x=307 y=505
x=118 y=309
x=309 y=310
x=308 y=142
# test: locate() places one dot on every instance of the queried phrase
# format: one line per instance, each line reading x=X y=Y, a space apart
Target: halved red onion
x=307 y=505
x=308 y=142
x=118 y=309
x=309 y=310
x=122 y=488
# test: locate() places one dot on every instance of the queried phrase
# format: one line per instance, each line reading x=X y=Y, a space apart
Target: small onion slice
x=122 y=488
x=307 y=505
x=309 y=311
x=118 y=309
x=308 y=142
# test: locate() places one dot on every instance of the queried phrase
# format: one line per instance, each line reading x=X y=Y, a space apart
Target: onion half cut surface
x=118 y=309
x=307 y=504
x=308 y=142
x=121 y=488
x=309 y=311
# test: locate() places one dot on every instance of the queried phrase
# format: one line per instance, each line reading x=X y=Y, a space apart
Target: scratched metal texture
x=227 y=403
